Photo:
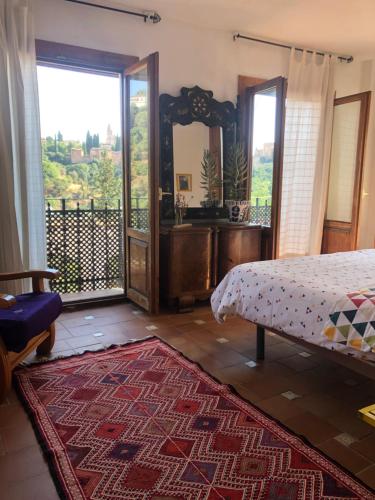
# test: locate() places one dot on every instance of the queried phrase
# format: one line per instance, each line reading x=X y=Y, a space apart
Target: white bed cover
x=303 y=297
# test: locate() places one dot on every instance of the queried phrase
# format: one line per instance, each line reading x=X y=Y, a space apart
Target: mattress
x=327 y=300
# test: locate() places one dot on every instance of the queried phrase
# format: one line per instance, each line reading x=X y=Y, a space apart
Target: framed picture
x=183 y=182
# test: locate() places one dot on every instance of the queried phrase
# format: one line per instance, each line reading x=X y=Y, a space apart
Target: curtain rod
x=147 y=16
x=344 y=58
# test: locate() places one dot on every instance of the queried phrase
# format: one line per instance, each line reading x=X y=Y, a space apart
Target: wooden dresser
x=193 y=260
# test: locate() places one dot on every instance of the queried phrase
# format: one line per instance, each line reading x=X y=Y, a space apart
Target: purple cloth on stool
x=32 y=314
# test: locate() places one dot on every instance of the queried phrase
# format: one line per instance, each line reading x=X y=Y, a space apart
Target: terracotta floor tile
x=16 y=438
x=298 y=363
x=368 y=476
x=279 y=351
x=348 y=421
x=22 y=464
x=83 y=341
x=344 y=455
x=2 y=446
x=321 y=405
x=61 y=331
x=12 y=414
x=366 y=447
x=280 y=407
x=61 y=345
x=39 y=487
x=315 y=429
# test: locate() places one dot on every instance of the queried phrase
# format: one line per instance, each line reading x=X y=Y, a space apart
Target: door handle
x=163 y=193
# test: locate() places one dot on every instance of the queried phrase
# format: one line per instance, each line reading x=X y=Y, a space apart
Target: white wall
x=188 y=55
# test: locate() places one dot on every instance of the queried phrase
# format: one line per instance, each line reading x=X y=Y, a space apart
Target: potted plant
x=210 y=180
x=236 y=175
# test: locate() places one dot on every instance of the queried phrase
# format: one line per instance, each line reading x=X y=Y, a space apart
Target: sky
x=264 y=120
x=74 y=102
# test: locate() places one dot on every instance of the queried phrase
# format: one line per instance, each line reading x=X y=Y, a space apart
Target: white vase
x=239 y=211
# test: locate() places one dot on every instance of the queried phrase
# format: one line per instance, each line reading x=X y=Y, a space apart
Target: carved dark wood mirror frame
x=193 y=105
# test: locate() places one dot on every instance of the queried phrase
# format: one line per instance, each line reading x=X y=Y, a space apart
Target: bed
x=325 y=301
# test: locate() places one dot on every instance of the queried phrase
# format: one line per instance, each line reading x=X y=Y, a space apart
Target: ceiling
x=345 y=26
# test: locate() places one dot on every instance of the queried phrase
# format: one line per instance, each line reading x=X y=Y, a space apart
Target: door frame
x=351 y=228
x=83 y=59
x=269 y=250
x=152 y=263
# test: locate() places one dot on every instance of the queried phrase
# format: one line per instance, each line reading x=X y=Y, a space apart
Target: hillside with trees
x=99 y=178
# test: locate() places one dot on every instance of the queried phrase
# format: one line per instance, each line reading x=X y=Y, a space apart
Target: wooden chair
x=26 y=322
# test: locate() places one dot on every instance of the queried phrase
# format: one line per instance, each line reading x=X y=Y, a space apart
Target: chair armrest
x=49 y=274
x=7 y=301
x=37 y=276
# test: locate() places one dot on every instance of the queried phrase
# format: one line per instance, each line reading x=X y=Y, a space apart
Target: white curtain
x=22 y=226
x=308 y=130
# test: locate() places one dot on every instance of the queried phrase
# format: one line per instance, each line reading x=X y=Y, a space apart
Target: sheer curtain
x=308 y=129
x=22 y=226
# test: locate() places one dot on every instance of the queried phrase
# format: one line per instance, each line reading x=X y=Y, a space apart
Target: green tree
x=106 y=183
x=117 y=144
x=89 y=142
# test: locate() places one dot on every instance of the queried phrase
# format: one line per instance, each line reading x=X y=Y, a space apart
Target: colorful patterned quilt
x=304 y=297
x=352 y=323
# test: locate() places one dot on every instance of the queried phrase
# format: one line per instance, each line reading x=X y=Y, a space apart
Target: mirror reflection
x=198 y=162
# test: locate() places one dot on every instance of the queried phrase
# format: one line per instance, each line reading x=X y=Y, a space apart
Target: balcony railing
x=260 y=213
x=85 y=241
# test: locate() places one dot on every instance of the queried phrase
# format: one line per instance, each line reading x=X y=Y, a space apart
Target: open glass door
x=350 y=117
x=265 y=125
x=142 y=182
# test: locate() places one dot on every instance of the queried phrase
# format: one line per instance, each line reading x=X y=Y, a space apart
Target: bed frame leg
x=260 y=343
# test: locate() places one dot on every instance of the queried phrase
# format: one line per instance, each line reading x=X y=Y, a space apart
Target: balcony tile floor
x=322 y=408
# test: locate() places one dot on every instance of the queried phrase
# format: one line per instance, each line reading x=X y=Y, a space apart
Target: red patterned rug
x=141 y=422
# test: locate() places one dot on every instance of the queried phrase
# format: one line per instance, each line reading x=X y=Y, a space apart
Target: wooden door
x=265 y=113
x=142 y=182
x=350 y=118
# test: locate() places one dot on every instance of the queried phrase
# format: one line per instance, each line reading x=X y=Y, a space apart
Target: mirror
x=196 y=132
x=189 y=144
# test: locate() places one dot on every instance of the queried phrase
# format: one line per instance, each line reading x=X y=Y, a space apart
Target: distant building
x=139 y=100
x=266 y=151
x=117 y=157
x=95 y=153
x=111 y=138
x=76 y=155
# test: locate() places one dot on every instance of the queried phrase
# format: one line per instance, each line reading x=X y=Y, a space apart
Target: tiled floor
x=309 y=394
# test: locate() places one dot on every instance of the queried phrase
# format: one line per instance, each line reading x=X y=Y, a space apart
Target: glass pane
x=343 y=161
x=139 y=150
x=80 y=115
x=263 y=141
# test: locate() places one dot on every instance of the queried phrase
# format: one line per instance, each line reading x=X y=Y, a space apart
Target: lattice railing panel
x=260 y=215
x=86 y=245
x=139 y=218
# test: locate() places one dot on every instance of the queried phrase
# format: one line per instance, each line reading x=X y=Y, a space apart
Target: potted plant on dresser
x=236 y=175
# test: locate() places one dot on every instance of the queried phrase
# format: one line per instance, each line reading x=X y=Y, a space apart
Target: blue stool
x=26 y=323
